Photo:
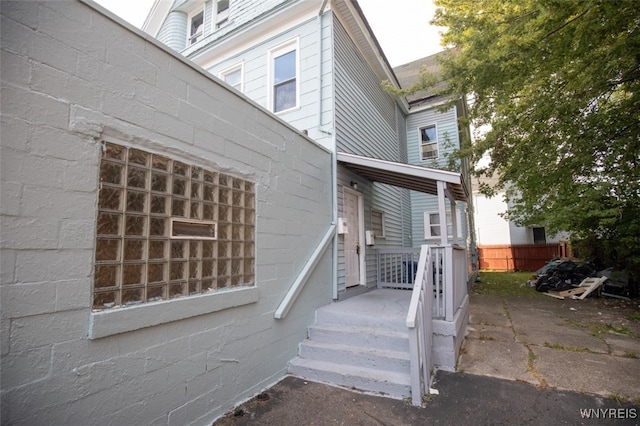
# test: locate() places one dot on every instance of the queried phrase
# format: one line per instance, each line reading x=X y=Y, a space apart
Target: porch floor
x=388 y=306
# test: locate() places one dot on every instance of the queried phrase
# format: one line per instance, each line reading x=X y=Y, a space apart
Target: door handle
x=358 y=248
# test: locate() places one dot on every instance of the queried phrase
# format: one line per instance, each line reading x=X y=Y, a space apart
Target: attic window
x=167 y=229
x=196 y=27
x=222 y=13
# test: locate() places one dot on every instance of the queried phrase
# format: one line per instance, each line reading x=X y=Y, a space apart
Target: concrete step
x=371 y=320
x=386 y=383
x=379 y=359
x=360 y=336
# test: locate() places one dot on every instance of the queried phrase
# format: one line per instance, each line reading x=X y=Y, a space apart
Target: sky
x=404 y=38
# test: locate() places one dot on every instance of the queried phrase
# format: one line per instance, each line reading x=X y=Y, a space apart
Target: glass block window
x=167 y=229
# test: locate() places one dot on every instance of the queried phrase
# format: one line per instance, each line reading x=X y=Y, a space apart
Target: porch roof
x=408 y=176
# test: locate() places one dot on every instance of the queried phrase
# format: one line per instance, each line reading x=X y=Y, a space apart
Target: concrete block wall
x=69 y=77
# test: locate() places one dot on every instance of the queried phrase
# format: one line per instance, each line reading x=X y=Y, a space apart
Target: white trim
x=382 y=219
x=426 y=216
x=190 y=16
x=219 y=20
x=420 y=144
x=115 y=321
x=292 y=45
x=362 y=264
x=231 y=69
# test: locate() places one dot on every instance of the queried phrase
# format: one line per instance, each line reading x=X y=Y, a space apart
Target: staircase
x=361 y=343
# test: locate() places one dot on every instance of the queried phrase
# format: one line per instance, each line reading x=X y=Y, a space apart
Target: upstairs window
x=428 y=142
x=167 y=229
x=196 y=26
x=233 y=76
x=284 y=72
x=222 y=13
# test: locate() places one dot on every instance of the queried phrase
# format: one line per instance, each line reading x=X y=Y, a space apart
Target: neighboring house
x=505 y=245
x=159 y=226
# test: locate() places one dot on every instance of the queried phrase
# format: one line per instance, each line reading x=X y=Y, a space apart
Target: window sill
x=116 y=321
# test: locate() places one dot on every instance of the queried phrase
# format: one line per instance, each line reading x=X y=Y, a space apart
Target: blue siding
x=256 y=69
x=448 y=140
x=173 y=32
x=365 y=114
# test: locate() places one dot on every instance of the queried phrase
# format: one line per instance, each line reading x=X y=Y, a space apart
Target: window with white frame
x=167 y=229
x=432 y=227
x=428 y=142
x=284 y=77
x=233 y=76
x=221 y=13
x=377 y=223
x=196 y=26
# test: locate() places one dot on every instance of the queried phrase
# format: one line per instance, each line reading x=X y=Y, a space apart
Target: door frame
x=362 y=264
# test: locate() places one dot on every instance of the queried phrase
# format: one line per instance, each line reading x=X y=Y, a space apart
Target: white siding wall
x=69 y=76
x=491 y=229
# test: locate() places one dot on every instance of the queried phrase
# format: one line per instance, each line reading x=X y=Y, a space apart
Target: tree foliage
x=558 y=82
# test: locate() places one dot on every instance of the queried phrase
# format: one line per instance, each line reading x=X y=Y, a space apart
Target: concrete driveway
x=590 y=345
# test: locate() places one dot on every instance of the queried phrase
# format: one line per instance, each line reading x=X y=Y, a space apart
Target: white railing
x=450 y=276
x=420 y=325
x=303 y=276
x=397 y=267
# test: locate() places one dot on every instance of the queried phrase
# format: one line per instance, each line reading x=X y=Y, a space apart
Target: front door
x=352 y=247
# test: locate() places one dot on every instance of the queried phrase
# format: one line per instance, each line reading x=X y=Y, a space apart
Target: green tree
x=558 y=83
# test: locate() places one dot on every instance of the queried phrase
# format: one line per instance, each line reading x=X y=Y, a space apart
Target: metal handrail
x=303 y=276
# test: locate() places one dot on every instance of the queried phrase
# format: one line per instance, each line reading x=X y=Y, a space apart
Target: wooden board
x=590 y=284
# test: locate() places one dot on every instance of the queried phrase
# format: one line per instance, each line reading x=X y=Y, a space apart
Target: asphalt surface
x=464 y=399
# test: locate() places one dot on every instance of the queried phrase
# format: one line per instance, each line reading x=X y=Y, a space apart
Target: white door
x=352 y=238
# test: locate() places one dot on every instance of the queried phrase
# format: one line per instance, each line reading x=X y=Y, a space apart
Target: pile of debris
x=562 y=278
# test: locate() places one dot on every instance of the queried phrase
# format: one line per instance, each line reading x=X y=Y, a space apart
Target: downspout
x=334 y=164
x=320 y=14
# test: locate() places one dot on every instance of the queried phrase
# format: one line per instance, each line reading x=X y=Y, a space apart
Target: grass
x=631 y=355
x=505 y=284
x=634 y=316
x=566 y=348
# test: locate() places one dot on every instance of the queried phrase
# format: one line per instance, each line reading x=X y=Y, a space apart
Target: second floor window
x=233 y=76
x=428 y=142
x=284 y=69
x=196 y=26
